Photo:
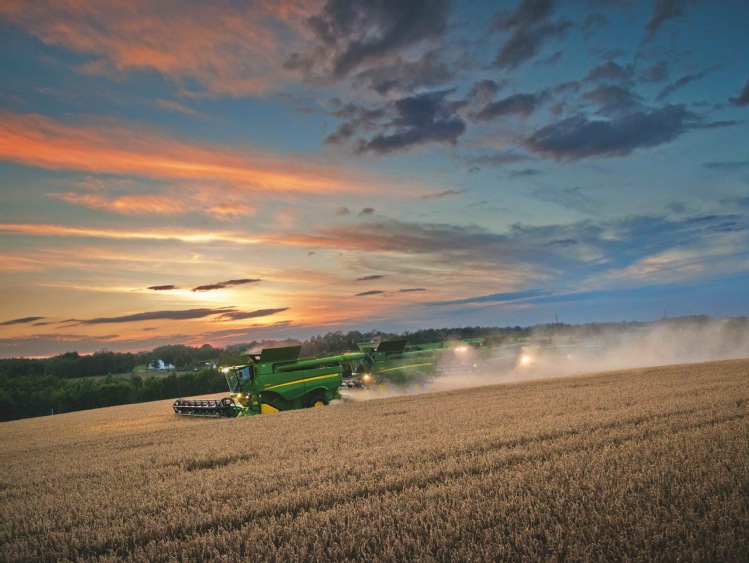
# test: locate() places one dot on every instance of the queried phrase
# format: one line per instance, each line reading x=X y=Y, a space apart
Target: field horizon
x=639 y=463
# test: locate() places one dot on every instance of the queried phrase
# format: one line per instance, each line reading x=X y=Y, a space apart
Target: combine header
x=277 y=380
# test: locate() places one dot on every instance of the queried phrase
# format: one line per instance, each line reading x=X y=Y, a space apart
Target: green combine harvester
x=399 y=363
x=392 y=362
x=277 y=380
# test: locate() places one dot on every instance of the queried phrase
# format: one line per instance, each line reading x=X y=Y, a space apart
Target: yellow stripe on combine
x=303 y=380
x=406 y=367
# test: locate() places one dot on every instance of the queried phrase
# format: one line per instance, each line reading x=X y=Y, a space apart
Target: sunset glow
x=192 y=172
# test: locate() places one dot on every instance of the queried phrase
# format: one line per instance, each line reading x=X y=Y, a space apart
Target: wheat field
x=639 y=464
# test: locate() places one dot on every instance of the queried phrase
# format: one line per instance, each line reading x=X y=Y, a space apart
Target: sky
x=190 y=172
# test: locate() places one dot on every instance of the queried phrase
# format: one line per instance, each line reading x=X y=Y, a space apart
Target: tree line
x=40 y=395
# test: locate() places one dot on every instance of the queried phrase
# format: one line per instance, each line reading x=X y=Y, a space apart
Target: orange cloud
x=9 y=263
x=35 y=140
x=181 y=235
x=230 y=211
x=128 y=205
x=222 y=202
x=226 y=48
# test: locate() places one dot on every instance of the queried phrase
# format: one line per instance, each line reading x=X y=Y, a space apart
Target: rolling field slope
x=645 y=463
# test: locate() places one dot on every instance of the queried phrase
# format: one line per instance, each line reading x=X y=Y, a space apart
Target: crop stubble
x=646 y=463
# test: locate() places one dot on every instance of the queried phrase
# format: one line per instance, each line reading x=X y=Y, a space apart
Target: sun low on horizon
x=191 y=172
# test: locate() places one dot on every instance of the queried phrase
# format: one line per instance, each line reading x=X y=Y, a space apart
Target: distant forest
x=71 y=381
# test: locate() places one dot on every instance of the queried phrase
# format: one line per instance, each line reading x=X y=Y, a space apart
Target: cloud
x=655 y=73
x=222 y=285
x=136 y=204
x=110 y=147
x=354 y=34
x=411 y=290
x=743 y=98
x=683 y=81
x=444 y=193
x=406 y=76
x=157 y=316
x=493 y=298
x=357 y=118
x=524 y=173
x=425 y=118
x=521 y=105
x=343 y=211
x=366 y=211
x=229 y=211
x=398 y=125
x=530 y=27
x=569 y=198
x=593 y=21
x=241 y=315
x=220 y=202
x=169 y=234
x=525 y=252
x=568 y=87
x=567 y=296
x=14 y=263
x=499 y=158
x=24 y=320
x=610 y=71
x=727 y=165
x=221 y=314
x=171 y=105
x=520 y=248
x=483 y=91
x=369 y=278
x=366 y=293
x=578 y=137
x=162 y=287
x=204 y=48
x=403 y=238
x=613 y=100
x=663 y=11
x=620 y=253
x=715 y=124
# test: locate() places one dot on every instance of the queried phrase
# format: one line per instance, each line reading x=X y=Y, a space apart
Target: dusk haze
x=221 y=172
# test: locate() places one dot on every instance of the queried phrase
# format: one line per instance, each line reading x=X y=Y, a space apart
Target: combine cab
x=276 y=380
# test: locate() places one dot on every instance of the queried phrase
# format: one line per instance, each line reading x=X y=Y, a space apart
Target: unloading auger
x=276 y=380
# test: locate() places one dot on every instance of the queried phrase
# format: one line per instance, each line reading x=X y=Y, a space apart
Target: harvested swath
x=648 y=463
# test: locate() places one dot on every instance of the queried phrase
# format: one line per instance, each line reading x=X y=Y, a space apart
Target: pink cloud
x=126 y=149
x=231 y=49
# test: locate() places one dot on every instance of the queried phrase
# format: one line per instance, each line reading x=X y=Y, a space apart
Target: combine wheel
x=318 y=401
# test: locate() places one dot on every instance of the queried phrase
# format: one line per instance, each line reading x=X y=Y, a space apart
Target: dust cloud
x=561 y=352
